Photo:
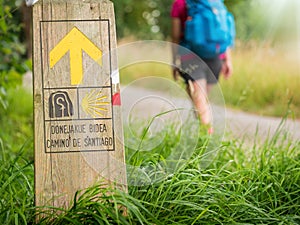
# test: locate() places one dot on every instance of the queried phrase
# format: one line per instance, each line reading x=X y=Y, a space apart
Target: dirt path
x=141 y=103
x=146 y=103
x=250 y=126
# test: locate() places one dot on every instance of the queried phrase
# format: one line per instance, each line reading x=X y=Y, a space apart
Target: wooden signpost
x=78 y=129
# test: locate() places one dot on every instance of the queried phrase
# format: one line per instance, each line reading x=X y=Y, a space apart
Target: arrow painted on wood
x=75 y=42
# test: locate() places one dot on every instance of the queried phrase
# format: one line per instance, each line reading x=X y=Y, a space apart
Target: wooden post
x=78 y=128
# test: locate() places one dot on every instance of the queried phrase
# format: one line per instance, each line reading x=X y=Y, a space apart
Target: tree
x=148 y=19
x=12 y=50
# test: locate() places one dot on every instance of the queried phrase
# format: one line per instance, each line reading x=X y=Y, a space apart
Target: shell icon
x=95 y=104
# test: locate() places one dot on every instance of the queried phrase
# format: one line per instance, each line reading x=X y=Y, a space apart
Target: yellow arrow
x=75 y=42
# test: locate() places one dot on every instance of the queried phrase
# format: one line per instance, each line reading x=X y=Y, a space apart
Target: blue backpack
x=209 y=29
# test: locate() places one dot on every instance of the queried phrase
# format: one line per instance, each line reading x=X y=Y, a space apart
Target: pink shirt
x=179 y=11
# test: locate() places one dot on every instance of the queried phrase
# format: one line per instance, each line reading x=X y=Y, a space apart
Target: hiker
x=199 y=76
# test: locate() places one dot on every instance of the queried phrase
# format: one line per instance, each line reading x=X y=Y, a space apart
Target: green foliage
x=13 y=61
x=164 y=21
x=12 y=50
x=266 y=84
x=7 y=80
x=16 y=187
x=149 y=19
x=265 y=21
x=250 y=20
x=143 y=19
x=16 y=120
x=255 y=19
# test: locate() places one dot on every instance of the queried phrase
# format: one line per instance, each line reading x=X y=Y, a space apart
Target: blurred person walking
x=198 y=58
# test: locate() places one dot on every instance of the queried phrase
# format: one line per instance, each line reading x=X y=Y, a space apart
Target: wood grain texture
x=78 y=131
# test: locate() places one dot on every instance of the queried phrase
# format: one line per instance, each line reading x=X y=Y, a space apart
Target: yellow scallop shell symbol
x=95 y=104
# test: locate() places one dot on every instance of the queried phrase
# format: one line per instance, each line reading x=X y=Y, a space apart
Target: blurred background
x=266 y=75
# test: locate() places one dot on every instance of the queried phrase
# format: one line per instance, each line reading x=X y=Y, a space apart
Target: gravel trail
x=145 y=103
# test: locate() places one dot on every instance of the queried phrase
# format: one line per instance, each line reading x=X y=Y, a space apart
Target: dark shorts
x=196 y=69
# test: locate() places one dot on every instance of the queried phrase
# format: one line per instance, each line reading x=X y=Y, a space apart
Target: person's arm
x=227 y=64
x=176 y=32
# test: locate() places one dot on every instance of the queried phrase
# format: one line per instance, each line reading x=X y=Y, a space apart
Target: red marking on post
x=116 y=100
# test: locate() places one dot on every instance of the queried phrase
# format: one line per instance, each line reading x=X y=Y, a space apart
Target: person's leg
x=198 y=93
x=209 y=87
x=199 y=83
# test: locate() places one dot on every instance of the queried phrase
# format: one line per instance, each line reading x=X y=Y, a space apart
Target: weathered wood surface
x=78 y=127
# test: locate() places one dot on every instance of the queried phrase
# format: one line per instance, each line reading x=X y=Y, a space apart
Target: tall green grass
x=265 y=81
x=16 y=120
x=242 y=185
x=16 y=187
